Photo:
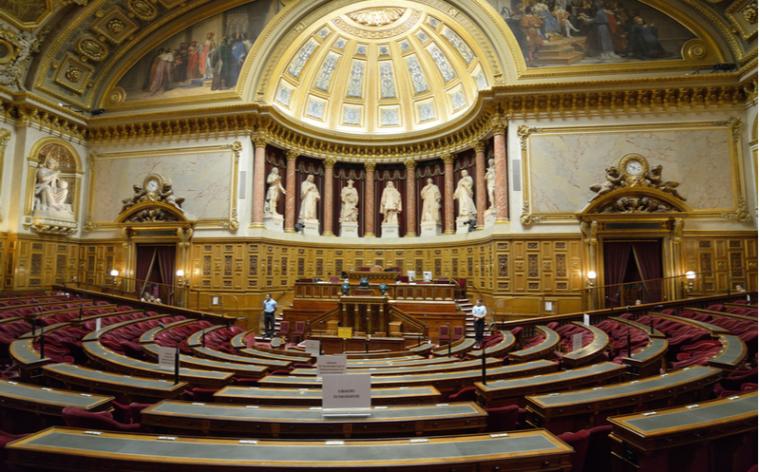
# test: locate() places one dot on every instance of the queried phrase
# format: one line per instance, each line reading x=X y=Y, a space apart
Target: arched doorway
x=633 y=271
x=154 y=270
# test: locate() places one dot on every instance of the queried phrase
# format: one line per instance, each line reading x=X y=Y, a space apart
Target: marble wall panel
x=202 y=178
x=562 y=166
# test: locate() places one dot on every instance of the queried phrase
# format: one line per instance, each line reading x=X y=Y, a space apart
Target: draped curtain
x=395 y=173
x=616 y=256
x=428 y=169
x=315 y=167
x=155 y=270
x=144 y=257
x=165 y=260
x=341 y=173
x=276 y=158
x=648 y=257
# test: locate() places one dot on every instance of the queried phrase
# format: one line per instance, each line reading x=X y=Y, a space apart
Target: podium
x=373 y=277
x=365 y=313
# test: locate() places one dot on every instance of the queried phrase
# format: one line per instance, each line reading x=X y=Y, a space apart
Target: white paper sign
x=548 y=307
x=311 y=346
x=577 y=341
x=427 y=276
x=411 y=274
x=97 y=324
x=331 y=364
x=586 y=320
x=346 y=391
x=166 y=358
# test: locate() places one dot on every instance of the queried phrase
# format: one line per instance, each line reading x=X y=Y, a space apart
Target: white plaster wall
x=6 y=171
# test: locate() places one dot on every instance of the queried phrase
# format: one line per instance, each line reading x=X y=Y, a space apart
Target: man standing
x=479 y=313
x=270 y=306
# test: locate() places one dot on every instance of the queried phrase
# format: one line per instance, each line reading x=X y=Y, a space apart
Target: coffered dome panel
x=380 y=68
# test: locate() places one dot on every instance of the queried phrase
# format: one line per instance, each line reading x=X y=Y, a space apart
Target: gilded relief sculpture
x=154 y=201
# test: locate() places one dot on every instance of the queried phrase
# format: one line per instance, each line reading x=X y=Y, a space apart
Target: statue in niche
x=309 y=198
x=50 y=190
x=491 y=183
x=349 y=198
x=274 y=180
x=463 y=194
x=390 y=204
x=431 y=203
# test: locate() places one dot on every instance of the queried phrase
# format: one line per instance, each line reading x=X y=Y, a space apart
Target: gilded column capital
x=480 y=146
x=447 y=158
x=370 y=165
x=5 y=136
x=259 y=140
x=498 y=124
x=410 y=163
x=330 y=162
x=292 y=155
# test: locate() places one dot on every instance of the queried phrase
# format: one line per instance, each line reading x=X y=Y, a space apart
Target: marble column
x=328 y=199
x=448 y=193
x=259 y=181
x=291 y=193
x=480 y=183
x=369 y=200
x=500 y=162
x=411 y=200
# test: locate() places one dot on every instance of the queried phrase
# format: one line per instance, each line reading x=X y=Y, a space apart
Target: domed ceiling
x=380 y=70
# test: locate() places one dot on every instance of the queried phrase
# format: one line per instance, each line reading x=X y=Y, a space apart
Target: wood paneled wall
x=721 y=262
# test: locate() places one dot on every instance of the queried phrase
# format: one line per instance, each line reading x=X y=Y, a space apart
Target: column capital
x=259 y=140
x=370 y=165
x=410 y=163
x=498 y=124
x=329 y=162
x=292 y=154
x=447 y=158
x=480 y=146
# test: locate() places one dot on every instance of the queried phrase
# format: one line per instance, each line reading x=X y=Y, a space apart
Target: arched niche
x=53 y=190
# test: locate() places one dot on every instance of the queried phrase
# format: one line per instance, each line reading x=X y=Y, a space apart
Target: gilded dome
x=380 y=70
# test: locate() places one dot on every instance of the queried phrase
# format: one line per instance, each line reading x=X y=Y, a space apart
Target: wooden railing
x=409 y=321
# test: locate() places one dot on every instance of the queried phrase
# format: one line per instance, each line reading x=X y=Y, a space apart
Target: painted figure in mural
x=349 y=198
x=550 y=27
x=643 y=40
x=390 y=204
x=431 y=203
x=309 y=199
x=193 y=64
x=491 y=183
x=161 y=72
x=203 y=60
x=534 y=39
x=274 y=180
x=599 y=42
x=50 y=191
x=463 y=194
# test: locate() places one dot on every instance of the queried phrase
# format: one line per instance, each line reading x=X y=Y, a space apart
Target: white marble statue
x=491 y=183
x=50 y=190
x=431 y=203
x=463 y=193
x=390 y=204
x=274 y=180
x=309 y=199
x=349 y=198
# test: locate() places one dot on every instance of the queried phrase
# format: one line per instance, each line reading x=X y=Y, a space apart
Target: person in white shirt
x=270 y=306
x=479 y=312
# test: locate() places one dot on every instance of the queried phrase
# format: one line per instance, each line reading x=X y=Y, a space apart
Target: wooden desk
x=313 y=396
x=460 y=347
x=501 y=392
x=577 y=409
x=401 y=362
x=246 y=370
x=526 y=451
x=590 y=352
x=103 y=381
x=732 y=354
x=648 y=360
x=549 y=344
x=46 y=400
x=506 y=344
x=270 y=421
x=664 y=438
x=364 y=313
x=414 y=369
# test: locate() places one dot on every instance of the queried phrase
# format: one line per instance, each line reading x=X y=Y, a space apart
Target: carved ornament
x=153 y=201
x=632 y=171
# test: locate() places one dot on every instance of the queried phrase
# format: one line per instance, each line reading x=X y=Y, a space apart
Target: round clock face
x=634 y=168
x=151 y=185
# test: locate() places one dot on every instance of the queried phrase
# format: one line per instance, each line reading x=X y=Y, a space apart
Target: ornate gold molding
x=5 y=136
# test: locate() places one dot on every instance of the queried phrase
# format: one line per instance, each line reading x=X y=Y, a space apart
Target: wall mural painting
x=206 y=57
x=569 y=32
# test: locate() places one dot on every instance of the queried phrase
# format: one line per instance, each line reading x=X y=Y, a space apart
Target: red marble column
x=327 y=224
x=448 y=193
x=480 y=183
x=259 y=181
x=500 y=162
x=291 y=193
x=369 y=200
x=411 y=200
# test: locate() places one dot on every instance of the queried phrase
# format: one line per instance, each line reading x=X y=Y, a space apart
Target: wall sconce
x=591 y=279
x=691 y=276
x=181 y=281
x=115 y=276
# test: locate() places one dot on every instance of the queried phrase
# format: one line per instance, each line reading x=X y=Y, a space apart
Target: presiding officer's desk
x=577 y=409
x=655 y=439
x=269 y=421
x=313 y=396
x=77 y=450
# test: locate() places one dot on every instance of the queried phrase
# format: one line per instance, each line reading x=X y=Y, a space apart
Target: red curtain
x=616 y=256
x=144 y=257
x=648 y=257
x=433 y=170
x=341 y=173
x=395 y=173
